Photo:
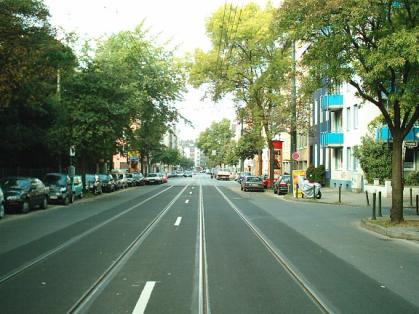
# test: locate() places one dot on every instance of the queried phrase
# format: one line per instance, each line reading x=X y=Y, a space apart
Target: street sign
x=295 y=156
x=72 y=151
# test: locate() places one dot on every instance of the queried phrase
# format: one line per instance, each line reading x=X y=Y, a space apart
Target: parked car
x=77 y=187
x=108 y=182
x=267 y=181
x=24 y=193
x=242 y=175
x=172 y=174
x=1 y=204
x=164 y=177
x=153 y=178
x=138 y=178
x=92 y=184
x=59 y=185
x=252 y=183
x=281 y=186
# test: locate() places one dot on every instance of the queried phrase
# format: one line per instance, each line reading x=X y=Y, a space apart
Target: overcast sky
x=182 y=21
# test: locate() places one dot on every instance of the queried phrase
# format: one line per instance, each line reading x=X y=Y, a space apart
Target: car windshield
x=14 y=183
x=285 y=179
x=90 y=177
x=104 y=177
x=254 y=179
x=152 y=175
x=55 y=179
x=129 y=175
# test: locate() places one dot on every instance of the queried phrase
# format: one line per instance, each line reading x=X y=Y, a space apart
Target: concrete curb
x=392 y=232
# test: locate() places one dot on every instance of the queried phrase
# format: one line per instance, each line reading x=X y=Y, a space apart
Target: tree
x=217 y=138
x=372 y=45
x=249 y=144
x=247 y=60
x=374 y=158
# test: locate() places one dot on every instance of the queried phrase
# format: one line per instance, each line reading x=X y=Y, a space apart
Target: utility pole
x=293 y=129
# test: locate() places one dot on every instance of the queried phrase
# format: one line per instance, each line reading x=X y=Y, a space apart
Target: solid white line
x=187 y=201
x=144 y=297
x=178 y=220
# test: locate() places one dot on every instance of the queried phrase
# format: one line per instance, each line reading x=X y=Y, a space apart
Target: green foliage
x=412 y=178
x=218 y=138
x=374 y=158
x=316 y=174
x=247 y=60
x=186 y=163
x=249 y=144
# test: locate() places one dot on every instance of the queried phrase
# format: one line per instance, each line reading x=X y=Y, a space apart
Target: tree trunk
x=142 y=164
x=260 y=162
x=396 y=212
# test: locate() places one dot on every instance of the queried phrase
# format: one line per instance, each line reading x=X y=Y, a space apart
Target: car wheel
x=26 y=207
x=66 y=200
x=241 y=188
x=44 y=203
x=1 y=211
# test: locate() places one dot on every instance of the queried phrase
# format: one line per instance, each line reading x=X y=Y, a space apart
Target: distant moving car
x=59 y=185
x=77 y=187
x=187 y=174
x=153 y=178
x=281 y=186
x=172 y=174
x=24 y=193
x=1 y=204
x=92 y=183
x=252 y=183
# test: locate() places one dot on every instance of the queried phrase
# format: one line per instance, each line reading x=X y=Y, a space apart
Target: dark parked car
x=1 y=204
x=92 y=183
x=108 y=182
x=24 y=193
x=242 y=175
x=252 y=183
x=59 y=188
x=138 y=178
x=282 y=184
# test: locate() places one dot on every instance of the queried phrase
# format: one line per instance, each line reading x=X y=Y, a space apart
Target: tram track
x=279 y=257
x=87 y=298
x=44 y=256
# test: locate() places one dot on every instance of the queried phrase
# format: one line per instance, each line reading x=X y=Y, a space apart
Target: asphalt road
x=196 y=245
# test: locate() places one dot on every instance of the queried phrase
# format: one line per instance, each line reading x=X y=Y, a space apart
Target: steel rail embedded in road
x=203 y=276
x=280 y=258
x=82 y=305
x=71 y=241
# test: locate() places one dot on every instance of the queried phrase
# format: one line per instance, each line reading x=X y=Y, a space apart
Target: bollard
x=340 y=193
x=368 y=200
x=411 y=197
x=417 y=208
x=380 y=214
x=296 y=191
x=373 y=206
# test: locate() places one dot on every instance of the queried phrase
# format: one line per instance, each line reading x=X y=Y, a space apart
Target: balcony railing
x=332 y=139
x=384 y=135
x=332 y=102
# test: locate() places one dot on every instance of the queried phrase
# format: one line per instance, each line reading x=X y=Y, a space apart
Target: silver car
x=153 y=178
x=252 y=183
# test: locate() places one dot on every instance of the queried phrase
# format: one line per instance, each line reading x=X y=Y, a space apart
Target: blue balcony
x=384 y=135
x=332 y=139
x=332 y=102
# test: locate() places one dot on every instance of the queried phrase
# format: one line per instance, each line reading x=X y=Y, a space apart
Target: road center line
x=187 y=201
x=144 y=298
x=178 y=220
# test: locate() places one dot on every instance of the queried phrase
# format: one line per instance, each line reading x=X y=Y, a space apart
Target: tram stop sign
x=295 y=156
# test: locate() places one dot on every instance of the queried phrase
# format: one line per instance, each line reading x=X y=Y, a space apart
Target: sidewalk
x=409 y=230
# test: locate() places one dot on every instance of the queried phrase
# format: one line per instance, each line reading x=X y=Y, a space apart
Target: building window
x=356 y=109
x=337 y=121
x=338 y=158
x=348 y=158
x=348 y=118
x=409 y=159
x=316 y=105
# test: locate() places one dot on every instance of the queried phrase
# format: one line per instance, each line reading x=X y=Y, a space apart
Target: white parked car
x=153 y=178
